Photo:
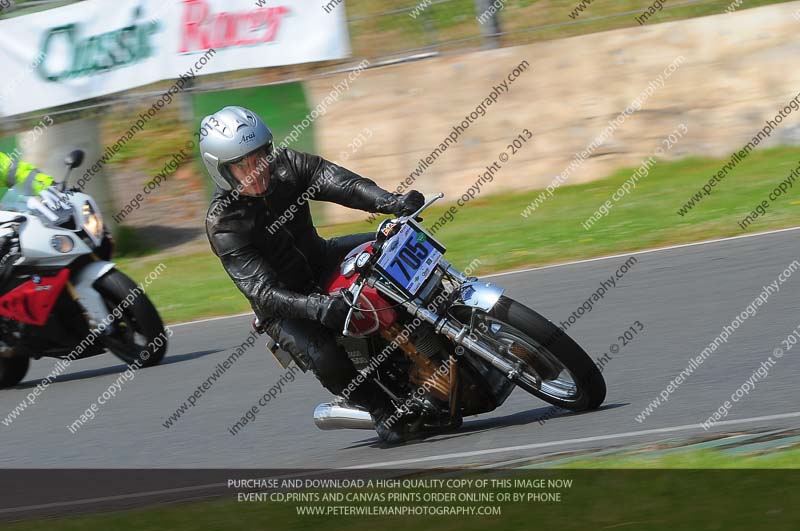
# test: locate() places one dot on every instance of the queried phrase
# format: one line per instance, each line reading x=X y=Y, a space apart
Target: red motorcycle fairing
x=364 y=322
x=32 y=301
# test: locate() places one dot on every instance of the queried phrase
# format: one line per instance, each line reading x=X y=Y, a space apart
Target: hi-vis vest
x=14 y=172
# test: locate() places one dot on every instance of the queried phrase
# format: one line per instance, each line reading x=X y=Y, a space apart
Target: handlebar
x=356 y=293
x=428 y=203
x=357 y=286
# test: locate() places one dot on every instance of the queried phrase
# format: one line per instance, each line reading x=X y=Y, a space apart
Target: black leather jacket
x=277 y=265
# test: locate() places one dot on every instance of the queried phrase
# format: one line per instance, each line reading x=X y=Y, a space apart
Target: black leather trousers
x=306 y=338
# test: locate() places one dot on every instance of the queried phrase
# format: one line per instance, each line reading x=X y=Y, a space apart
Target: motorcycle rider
x=13 y=172
x=16 y=173
x=259 y=225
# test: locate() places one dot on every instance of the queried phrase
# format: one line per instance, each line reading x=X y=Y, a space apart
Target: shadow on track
x=542 y=414
x=92 y=373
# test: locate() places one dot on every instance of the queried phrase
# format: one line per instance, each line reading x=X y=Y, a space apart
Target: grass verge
x=693 y=460
x=652 y=500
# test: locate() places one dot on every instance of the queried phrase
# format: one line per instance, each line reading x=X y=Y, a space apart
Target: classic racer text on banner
x=99 y=47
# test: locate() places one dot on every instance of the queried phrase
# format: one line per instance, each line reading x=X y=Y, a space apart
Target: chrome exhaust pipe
x=332 y=416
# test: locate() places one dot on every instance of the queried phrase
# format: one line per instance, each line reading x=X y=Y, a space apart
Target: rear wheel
x=138 y=335
x=548 y=363
x=13 y=370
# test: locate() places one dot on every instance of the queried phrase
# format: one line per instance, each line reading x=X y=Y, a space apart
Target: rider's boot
x=391 y=424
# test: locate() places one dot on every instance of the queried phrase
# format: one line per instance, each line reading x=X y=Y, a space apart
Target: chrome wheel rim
x=535 y=366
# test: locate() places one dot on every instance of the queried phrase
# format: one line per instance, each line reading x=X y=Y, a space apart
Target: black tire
x=13 y=370
x=590 y=385
x=139 y=317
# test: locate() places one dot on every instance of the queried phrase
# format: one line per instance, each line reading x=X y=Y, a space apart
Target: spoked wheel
x=548 y=363
x=138 y=335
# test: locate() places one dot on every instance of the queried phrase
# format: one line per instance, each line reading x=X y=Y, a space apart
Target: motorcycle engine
x=427 y=341
x=426 y=350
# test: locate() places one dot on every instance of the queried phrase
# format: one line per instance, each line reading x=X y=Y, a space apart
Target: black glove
x=409 y=203
x=401 y=205
x=330 y=311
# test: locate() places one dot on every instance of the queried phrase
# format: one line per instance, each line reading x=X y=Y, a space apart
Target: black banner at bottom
x=360 y=499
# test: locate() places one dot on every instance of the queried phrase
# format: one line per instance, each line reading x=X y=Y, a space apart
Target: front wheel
x=138 y=335
x=549 y=364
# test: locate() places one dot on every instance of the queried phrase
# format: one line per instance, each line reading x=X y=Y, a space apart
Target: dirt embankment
x=737 y=70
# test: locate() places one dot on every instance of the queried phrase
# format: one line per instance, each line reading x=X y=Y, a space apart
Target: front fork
x=84 y=293
x=479 y=295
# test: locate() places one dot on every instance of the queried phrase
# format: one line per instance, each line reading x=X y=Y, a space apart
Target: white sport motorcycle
x=60 y=296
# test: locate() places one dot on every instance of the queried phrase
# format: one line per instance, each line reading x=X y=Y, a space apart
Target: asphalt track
x=683 y=296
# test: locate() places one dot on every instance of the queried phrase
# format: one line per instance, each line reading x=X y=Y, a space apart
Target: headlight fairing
x=92 y=221
x=62 y=244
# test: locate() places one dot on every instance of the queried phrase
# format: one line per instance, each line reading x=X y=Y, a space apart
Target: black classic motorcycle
x=443 y=345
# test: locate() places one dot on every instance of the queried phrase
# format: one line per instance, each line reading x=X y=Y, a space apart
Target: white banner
x=99 y=47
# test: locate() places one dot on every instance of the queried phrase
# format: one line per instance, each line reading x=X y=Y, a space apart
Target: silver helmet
x=227 y=136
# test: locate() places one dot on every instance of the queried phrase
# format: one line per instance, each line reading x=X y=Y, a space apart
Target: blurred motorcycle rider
x=259 y=225
x=13 y=173
x=29 y=181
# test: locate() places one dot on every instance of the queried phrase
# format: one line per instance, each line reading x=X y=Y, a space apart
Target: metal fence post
x=489 y=21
